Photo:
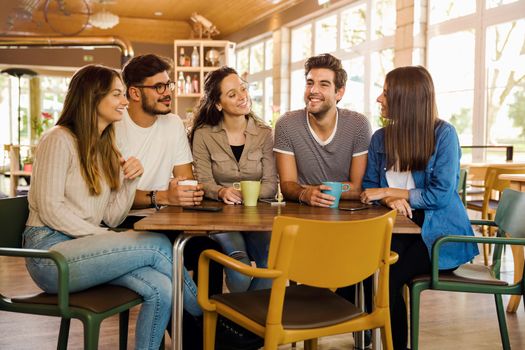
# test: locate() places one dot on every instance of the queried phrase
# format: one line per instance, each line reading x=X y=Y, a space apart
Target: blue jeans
x=245 y=246
x=140 y=261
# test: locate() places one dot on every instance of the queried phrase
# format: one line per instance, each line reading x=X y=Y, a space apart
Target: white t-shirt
x=159 y=148
x=400 y=179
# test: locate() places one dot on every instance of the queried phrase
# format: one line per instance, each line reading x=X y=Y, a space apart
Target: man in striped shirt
x=321 y=142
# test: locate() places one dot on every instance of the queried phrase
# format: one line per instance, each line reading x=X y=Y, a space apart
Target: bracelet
x=154 y=200
x=301 y=195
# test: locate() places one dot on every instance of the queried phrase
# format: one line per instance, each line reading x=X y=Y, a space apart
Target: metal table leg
x=178 y=290
x=359 y=337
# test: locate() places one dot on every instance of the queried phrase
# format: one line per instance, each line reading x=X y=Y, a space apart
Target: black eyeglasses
x=160 y=87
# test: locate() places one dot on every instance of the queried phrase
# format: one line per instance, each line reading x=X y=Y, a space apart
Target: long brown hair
x=206 y=112
x=98 y=154
x=412 y=118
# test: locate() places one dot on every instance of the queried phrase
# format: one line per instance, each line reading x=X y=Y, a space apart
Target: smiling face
x=381 y=99
x=320 y=94
x=111 y=107
x=234 y=99
x=152 y=102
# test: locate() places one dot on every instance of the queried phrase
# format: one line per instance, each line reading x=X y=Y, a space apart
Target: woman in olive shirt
x=231 y=144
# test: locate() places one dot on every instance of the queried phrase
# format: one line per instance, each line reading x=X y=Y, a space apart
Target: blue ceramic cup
x=337 y=188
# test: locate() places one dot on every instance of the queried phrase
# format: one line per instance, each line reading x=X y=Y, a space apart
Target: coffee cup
x=250 y=192
x=337 y=188
x=188 y=183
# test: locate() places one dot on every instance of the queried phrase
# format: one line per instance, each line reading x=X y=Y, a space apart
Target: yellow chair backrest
x=332 y=254
x=493 y=183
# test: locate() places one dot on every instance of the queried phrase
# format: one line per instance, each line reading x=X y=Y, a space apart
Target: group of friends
x=117 y=147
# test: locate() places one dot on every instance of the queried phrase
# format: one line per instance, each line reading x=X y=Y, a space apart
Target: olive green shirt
x=216 y=166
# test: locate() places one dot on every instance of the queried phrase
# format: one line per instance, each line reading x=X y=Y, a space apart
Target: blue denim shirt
x=435 y=193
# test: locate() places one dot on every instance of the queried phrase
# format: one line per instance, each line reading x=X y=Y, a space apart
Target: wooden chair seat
x=468 y=273
x=99 y=299
x=328 y=309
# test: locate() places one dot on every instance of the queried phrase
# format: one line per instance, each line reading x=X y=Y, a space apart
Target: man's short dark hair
x=137 y=69
x=327 y=61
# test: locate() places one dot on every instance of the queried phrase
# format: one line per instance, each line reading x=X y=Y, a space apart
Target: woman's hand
x=400 y=204
x=132 y=167
x=373 y=194
x=230 y=195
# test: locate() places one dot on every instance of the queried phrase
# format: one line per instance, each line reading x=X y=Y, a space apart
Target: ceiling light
x=104 y=19
x=158 y=13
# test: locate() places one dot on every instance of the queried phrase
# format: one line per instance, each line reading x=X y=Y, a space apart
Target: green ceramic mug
x=250 y=192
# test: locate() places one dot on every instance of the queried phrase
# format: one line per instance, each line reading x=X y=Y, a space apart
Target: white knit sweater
x=59 y=197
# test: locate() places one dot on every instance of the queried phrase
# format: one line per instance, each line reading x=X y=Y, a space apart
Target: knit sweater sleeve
x=54 y=165
x=120 y=202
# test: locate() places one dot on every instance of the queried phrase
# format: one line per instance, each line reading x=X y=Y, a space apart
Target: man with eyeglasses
x=157 y=137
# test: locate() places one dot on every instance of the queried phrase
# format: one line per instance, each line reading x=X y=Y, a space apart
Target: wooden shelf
x=183 y=101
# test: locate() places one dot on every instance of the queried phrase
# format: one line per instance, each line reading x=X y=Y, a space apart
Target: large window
x=255 y=64
x=362 y=36
x=41 y=101
x=476 y=55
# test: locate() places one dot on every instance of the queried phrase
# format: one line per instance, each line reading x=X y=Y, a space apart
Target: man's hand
x=230 y=195
x=132 y=167
x=313 y=196
x=184 y=195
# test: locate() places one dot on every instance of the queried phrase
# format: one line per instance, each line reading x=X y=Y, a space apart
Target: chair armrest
x=238 y=266
x=204 y=267
x=393 y=258
x=465 y=239
x=63 y=271
x=483 y=222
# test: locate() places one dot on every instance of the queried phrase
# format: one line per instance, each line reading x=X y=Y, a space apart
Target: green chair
x=475 y=278
x=462 y=185
x=91 y=306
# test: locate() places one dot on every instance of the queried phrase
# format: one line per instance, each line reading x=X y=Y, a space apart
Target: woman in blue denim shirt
x=413 y=167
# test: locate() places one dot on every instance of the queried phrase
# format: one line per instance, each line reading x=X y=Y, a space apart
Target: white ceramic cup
x=188 y=183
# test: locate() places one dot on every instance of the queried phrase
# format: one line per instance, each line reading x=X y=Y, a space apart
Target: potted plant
x=28 y=163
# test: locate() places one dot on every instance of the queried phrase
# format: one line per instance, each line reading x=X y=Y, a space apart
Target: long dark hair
x=206 y=112
x=412 y=115
x=98 y=155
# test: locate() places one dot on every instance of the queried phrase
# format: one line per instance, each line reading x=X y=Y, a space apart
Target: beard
x=320 y=110
x=150 y=106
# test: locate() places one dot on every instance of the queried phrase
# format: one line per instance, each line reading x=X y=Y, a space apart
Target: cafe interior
x=474 y=50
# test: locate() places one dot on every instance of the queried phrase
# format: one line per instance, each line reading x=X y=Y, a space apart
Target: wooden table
x=240 y=218
x=517 y=182
x=477 y=171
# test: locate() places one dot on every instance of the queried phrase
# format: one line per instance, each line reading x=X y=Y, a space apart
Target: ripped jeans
x=245 y=246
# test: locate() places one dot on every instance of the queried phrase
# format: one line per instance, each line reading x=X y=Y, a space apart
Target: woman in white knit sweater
x=80 y=180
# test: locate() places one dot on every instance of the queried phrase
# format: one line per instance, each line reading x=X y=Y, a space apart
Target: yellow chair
x=488 y=205
x=320 y=256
